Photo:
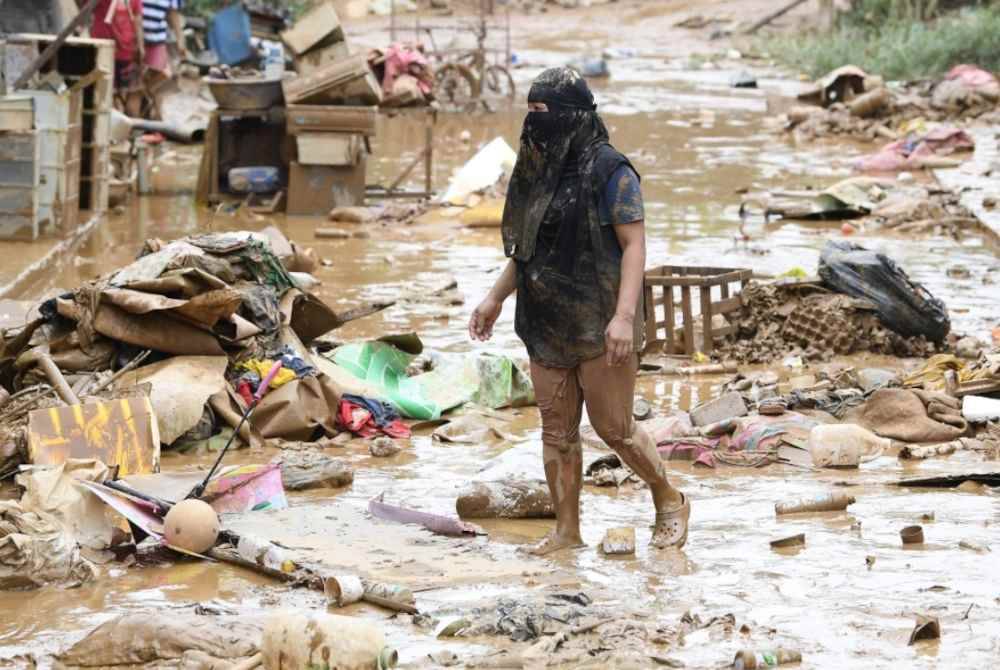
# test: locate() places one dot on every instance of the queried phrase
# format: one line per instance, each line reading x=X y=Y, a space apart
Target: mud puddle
x=694 y=153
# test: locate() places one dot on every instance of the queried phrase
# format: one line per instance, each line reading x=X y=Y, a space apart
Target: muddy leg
x=609 y=392
x=560 y=404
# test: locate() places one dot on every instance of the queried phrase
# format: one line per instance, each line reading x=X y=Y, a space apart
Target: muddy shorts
x=126 y=76
x=607 y=391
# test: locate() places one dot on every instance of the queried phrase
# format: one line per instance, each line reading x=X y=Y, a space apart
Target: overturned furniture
x=672 y=290
x=54 y=134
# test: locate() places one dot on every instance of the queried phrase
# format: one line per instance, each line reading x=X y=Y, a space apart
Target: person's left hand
x=618 y=340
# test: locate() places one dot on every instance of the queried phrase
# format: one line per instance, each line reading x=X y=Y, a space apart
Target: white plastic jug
x=844 y=445
x=977 y=409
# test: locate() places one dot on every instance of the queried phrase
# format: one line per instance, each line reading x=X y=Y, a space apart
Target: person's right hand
x=483 y=317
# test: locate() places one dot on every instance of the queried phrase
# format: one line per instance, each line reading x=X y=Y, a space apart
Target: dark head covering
x=569 y=130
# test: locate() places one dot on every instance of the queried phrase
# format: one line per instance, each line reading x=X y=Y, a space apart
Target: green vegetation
x=889 y=38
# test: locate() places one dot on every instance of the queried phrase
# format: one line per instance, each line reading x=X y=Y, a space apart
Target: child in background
x=121 y=21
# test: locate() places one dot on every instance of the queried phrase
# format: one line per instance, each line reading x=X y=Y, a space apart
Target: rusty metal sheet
x=117 y=432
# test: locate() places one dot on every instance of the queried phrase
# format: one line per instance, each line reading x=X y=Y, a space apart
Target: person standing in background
x=159 y=17
x=121 y=21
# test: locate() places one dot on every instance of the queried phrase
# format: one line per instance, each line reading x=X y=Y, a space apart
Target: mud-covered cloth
x=568 y=189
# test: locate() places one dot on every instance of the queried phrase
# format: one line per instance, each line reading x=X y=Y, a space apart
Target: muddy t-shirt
x=560 y=318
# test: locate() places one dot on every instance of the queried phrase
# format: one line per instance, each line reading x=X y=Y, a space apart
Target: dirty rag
x=911 y=416
x=910 y=152
x=367 y=417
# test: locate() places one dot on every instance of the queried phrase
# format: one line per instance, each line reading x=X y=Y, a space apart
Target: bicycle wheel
x=498 y=83
x=455 y=86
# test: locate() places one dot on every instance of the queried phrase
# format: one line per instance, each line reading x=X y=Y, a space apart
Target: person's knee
x=561 y=441
x=614 y=432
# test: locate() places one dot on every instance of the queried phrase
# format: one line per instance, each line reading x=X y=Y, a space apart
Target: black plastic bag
x=902 y=305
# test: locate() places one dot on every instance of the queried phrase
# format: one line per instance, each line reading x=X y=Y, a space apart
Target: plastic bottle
x=274 y=60
x=752 y=660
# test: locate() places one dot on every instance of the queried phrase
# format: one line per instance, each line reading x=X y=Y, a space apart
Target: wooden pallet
x=673 y=289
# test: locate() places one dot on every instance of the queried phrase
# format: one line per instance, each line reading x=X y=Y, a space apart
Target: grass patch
x=894 y=46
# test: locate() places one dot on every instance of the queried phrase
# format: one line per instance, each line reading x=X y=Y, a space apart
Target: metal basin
x=247 y=93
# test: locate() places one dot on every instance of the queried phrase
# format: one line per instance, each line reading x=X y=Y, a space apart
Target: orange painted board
x=117 y=432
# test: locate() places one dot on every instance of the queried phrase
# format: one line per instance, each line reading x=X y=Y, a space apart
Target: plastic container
x=978 y=409
x=844 y=445
x=254 y=179
x=912 y=535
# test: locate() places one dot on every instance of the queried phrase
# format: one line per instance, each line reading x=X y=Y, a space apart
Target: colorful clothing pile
x=367 y=417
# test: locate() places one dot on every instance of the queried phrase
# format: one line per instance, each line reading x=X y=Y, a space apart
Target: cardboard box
x=328 y=118
x=340 y=149
x=313 y=190
x=320 y=56
x=342 y=81
x=319 y=24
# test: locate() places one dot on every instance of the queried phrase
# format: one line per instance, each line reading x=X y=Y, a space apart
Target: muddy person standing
x=573 y=229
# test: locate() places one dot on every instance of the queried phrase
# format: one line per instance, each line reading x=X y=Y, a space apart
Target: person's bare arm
x=140 y=35
x=486 y=314
x=176 y=21
x=619 y=335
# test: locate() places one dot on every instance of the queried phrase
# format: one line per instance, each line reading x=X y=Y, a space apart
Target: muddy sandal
x=671 y=528
x=549 y=545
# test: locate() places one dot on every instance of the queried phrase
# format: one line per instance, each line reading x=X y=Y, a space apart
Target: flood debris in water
x=851 y=102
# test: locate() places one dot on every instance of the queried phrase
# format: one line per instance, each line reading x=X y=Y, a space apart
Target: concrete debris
x=727 y=406
x=384 y=447
x=302 y=470
x=803 y=318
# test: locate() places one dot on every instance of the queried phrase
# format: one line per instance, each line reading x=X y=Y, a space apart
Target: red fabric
x=972 y=76
x=243 y=388
x=907 y=153
x=121 y=27
x=403 y=59
x=360 y=422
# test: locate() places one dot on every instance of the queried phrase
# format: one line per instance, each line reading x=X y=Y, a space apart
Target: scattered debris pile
x=902 y=205
x=849 y=101
x=862 y=301
x=804 y=318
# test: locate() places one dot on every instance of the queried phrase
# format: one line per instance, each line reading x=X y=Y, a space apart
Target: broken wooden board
x=120 y=433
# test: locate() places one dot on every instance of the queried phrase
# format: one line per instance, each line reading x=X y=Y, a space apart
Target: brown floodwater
x=696 y=142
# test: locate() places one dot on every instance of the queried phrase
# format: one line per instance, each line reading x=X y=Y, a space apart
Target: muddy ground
x=696 y=142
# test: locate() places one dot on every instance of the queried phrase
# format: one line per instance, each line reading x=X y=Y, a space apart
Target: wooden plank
x=328 y=118
x=694 y=281
x=688 y=317
x=726 y=305
x=725 y=290
x=649 y=310
x=705 y=294
x=669 y=316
